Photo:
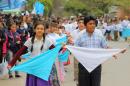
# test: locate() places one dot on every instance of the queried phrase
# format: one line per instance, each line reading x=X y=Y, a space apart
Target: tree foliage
x=95 y=7
x=76 y=6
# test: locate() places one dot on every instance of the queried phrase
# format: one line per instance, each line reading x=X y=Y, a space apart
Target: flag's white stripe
x=90 y=58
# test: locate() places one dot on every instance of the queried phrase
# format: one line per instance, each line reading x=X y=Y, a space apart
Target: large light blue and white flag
x=90 y=58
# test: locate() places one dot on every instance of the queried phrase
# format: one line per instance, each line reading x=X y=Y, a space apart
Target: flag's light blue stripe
x=39 y=7
x=61 y=40
x=26 y=56
x=64 y=57
x=40 y=65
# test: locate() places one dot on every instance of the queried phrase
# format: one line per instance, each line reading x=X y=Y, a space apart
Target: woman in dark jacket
x=2 y=40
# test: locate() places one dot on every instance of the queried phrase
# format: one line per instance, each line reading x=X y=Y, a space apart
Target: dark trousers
x=120 y=33
x=89 y=79
x=116 y=36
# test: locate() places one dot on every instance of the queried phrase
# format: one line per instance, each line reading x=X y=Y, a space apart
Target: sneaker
x=10 y=76
x=17 y=76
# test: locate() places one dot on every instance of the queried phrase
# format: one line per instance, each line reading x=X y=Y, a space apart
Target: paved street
x=115 y=72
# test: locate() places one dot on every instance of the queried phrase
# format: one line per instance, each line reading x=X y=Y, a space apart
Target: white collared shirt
x=36 y=46
x=75 y=34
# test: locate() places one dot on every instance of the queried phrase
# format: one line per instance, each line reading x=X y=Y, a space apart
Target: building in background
x=12 y=4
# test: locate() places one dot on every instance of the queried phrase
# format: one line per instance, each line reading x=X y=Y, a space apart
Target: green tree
x=76 y=6
x=96 y=7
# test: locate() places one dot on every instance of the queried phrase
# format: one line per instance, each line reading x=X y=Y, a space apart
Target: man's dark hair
x=89 y=18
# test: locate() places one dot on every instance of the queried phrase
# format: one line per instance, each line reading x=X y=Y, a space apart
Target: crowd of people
x=20 y=34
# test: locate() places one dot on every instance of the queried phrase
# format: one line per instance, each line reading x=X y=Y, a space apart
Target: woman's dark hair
x=89 y=18
x=10 y=24
x=96 y=22
x=33 y=36
x=81 y=19
x=2 y=23
x=46 y=24
x=52 y=24
x=61 y=27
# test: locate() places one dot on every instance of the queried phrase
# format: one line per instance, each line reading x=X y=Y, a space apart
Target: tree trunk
x=57 y=7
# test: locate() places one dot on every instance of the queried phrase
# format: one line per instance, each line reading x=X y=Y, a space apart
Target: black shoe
x=17 y=76
x=10 y=76
x=66 y=71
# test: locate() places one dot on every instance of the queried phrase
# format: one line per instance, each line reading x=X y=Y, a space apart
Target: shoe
x=66 y=71
x=10 y=76
x=17 y=76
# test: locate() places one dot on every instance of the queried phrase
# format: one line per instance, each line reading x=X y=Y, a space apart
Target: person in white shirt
x=52 y=36
x=80 y=28
x=108 y=29
x=117 y=28
x=75 y=34
x=125 y=22
x=120 y=29
x=69 y=26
